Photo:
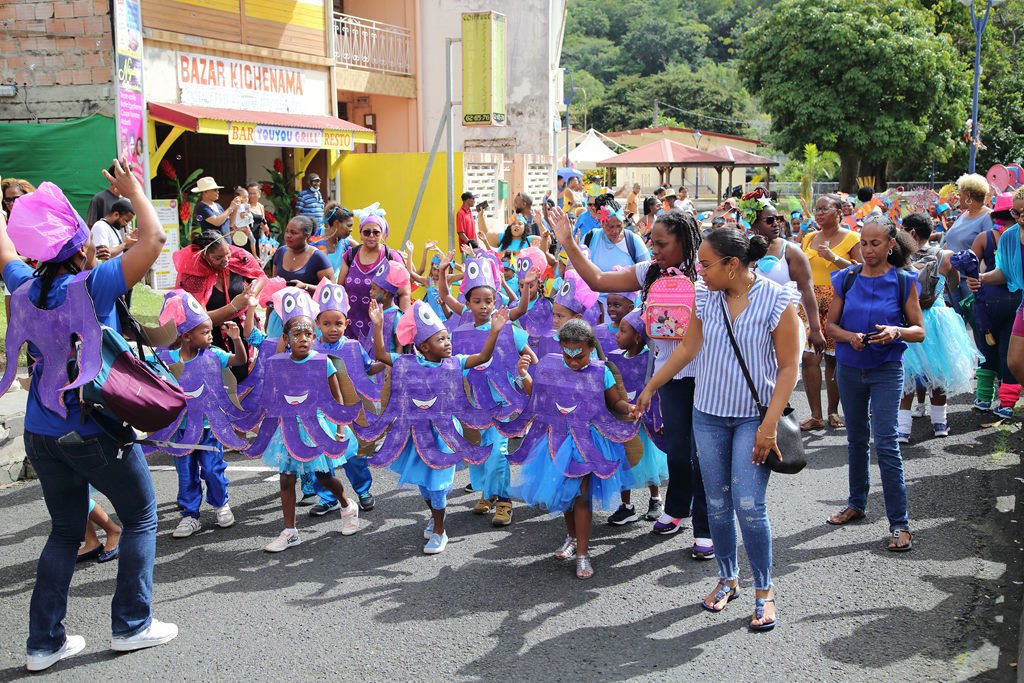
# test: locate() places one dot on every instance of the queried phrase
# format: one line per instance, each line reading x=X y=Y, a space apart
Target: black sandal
x=895 y=538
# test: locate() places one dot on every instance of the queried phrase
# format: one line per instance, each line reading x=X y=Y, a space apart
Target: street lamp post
x=696 y=171
x=567 y=98
x=979 y=30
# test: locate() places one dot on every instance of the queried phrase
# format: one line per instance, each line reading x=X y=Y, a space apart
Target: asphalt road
x=497 y=606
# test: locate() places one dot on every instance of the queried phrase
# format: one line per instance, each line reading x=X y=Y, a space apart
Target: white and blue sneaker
x=983 y=406
x=902 y=437
x=429 y=531
x=72 y=646
x=1003 y=412
x=941 y=428
x=436 y=544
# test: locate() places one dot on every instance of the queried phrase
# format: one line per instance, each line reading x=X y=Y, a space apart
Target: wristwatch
x=899 y=333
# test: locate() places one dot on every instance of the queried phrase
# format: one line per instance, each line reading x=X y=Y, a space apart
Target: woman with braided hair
x=674 y=240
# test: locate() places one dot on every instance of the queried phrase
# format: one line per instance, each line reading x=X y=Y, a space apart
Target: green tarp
x=69 y=154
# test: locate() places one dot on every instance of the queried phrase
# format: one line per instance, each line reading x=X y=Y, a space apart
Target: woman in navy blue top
x=871 y=325
x=70 y=453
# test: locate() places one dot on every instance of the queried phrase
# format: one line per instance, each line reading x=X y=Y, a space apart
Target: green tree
x=872 y=81
x=813 y=167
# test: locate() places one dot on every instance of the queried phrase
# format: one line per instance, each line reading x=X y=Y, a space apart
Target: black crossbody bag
x=788 y=438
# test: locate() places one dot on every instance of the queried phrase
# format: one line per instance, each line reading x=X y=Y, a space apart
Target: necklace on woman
x=750 y=285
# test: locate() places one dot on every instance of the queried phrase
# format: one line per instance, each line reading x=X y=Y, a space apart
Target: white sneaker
x=283 y=542
x=919 y=410
x=350 y=518
x=225 y=517
x=72 y=646
x=186 y=527
x=157 y=633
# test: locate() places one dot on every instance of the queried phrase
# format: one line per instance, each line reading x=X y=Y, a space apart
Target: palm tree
x=813 y=167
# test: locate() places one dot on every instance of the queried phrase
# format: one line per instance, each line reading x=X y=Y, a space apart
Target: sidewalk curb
x=13 y=464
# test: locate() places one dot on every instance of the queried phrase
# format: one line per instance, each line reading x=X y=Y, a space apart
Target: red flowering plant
x=186 y=200
x=281 y=193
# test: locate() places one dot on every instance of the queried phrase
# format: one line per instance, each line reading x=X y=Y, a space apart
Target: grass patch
x=1002 y=444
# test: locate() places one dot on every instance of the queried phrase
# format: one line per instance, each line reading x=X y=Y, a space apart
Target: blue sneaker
x=429 y=531
x=941 y=428
x=1004 y=412
x=902 y=437
x=983 y=406
x=436 y=544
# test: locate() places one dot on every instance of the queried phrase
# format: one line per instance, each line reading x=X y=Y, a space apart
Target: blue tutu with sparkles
x=278 y=457
x=541 y=483
x=947 y=358
x=652 y=469
x=413 y=472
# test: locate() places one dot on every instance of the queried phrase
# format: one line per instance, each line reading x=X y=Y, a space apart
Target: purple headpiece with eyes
x=479 y=272
x=184 y=309
x=331 y=297
x=391 y=276
x=418 y=324
x=292 y=302
x=574 y=293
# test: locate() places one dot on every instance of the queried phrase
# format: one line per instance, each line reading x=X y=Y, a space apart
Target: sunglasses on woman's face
x=772 y=220
x=368 y=233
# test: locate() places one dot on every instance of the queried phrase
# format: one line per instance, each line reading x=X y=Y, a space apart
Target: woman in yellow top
x=832 y=247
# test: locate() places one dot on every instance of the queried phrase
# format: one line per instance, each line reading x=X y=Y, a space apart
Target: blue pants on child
x=437 y=500
x=208 y=466
x=358 y=473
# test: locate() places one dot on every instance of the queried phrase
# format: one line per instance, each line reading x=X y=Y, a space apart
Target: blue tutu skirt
x=541 y=483
x=946 y=359
x=278 y=457
x=492 y=477
x=414 y=473
x=652 y=469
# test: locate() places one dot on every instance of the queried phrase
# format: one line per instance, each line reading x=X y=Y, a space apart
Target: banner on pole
x=483 y=69
x=130 y=116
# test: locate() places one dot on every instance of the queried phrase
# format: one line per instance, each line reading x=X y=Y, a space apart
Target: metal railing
x=372 y=45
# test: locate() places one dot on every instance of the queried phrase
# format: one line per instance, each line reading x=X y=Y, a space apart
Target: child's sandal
x=567 y=550
x=584 y=570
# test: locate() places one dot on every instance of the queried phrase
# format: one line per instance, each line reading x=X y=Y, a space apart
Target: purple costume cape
x=607 y=339
x=352 y=359
x=297 y=390
x=537 y=321
x=634 y=378
x=250 y=389
x=563 y=405
x=29 y=323
x=468 y=340
x=423 y=401
x=203 y=384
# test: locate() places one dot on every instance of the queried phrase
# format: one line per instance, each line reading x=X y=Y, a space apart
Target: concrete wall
x=60 y=56
x=530 y=60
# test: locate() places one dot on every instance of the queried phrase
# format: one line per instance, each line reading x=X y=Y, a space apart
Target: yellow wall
x=393 y=180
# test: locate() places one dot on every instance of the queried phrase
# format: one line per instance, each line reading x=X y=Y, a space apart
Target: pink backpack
x=669 y=303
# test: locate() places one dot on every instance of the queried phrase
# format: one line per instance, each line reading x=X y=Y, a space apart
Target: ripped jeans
x=735 y=488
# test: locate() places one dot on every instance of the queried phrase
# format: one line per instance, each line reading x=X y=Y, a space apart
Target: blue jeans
x=358 y=473
x=685 y=494
x=735 y=489
x=881 y=388
x=65 y=473
x=208 y=466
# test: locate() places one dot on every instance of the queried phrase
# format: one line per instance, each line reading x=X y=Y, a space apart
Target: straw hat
x=206 y=183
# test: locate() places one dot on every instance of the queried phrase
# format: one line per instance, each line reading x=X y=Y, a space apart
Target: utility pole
x=656 y=117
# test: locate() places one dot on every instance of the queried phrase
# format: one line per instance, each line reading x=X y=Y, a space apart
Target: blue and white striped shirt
x=721 y=389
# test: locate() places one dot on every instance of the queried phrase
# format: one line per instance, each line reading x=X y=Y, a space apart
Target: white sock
x=904 y=421
x=938 y=414
x=292 y=531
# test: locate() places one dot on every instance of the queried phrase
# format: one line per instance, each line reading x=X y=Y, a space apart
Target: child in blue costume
x=332 y=321
x=195 y=337
x=425 y=331
x=542 y=480
x=945 y=362
x=389 y=278
x=493 y=477
x=652 y=469
x=300 y=334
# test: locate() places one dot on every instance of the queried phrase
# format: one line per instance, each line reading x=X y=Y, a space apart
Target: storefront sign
x=164 y=275
x=279 y=136
x=232 y=84
x=131 y=114
x=483 y=69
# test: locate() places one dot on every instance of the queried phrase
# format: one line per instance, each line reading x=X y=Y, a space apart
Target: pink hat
x=418 y=324
x=184 y=309
x=391 y=276
x=574 y=293
x=292 y=302
x=531 y=258
x=45 y=227
x=273 y=286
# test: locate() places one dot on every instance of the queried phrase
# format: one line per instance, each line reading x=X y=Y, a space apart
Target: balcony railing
x=372 y=45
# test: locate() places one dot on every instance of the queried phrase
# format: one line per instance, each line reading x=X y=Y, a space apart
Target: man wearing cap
x=465 y=226
x=310 y=202
x=209 y=214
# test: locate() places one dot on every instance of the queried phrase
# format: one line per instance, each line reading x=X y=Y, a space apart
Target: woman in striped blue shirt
x=733 y=441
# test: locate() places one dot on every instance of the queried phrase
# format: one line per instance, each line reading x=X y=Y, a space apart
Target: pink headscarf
x=45 y=227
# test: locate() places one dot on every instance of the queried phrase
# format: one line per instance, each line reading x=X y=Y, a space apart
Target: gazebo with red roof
x=666 y=154
x=744 y=158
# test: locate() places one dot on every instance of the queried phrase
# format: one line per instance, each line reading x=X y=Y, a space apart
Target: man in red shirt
x=465 y=226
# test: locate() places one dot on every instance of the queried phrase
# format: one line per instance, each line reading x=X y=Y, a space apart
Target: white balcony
x=372 y=46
